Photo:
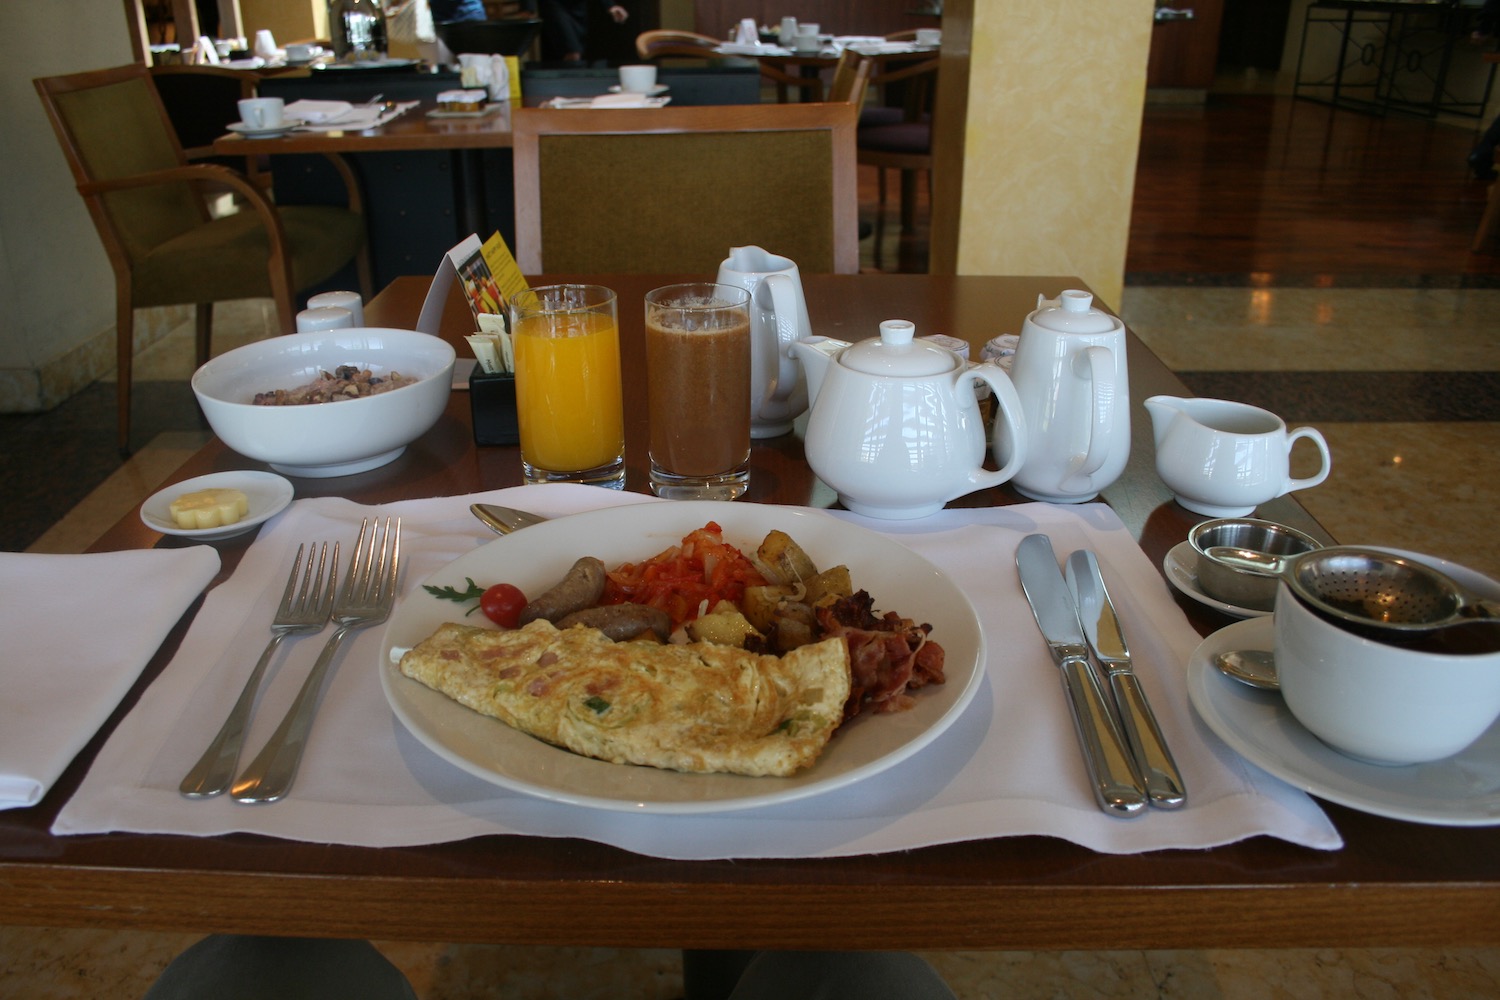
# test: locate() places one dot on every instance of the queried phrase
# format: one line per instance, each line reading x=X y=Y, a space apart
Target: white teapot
x=1069 y=372
x=895 y=425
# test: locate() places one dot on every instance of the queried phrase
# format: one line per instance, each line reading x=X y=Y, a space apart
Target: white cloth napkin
x=609 y=101
x=324 y=116
x=1009 y=766
x=78 y=630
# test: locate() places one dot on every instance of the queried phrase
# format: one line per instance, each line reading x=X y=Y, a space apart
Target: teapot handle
x=1097 y=365
x=783 y=292
x=1011 y=416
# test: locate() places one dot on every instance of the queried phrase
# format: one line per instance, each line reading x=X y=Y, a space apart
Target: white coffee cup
x=301 y=52
x=1391 y=703
x=340 y=300
x=929 y=36
x=637 y=79
x=807 y=43
x=1224 y=458
x=263 y=112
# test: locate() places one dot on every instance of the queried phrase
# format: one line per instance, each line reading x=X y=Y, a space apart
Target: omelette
x=697 y=707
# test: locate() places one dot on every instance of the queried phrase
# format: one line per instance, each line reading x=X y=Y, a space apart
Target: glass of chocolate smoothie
x=698 y=381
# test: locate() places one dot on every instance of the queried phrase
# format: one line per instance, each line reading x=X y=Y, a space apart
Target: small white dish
x=268 y=495
x=1462 y=790
x=1181 y=566
x=659 y=88
x=251 y=132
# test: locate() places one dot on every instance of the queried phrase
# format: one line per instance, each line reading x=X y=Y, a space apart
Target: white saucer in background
x=267 y=493
x=1181 y=566
x=251 y=132
x=1462 y=790
x=658 y=88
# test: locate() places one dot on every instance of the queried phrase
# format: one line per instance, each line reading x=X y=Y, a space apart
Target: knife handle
x=1116 y=786
x=1163 y=781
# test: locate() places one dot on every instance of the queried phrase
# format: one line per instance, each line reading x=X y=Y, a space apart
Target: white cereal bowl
x=1384 y=702
x=326 y=439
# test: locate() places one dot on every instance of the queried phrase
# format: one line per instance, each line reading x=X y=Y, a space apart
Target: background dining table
x=1393 y=883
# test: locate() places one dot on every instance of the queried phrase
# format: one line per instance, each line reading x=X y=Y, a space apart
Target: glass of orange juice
x=568 y=396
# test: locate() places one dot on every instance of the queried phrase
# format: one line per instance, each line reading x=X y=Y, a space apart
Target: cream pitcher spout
x=753 y=258
x=1164 y=411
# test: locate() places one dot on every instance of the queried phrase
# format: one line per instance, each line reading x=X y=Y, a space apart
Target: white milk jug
x=778 y=319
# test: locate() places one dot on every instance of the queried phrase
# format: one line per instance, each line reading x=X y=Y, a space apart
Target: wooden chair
x=201 y=101
x=904 y=145
x=147 y=203
x=851 y=79
x=670 y=190
x=675 y=46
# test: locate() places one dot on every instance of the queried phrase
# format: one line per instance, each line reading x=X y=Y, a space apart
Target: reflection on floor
x=1401 y=376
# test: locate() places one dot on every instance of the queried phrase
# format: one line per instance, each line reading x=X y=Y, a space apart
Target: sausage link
x=580 y=589
x=621 y=621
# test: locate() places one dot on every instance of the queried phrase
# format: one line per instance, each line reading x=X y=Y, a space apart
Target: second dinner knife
x=1101 y=626
x=1116 y=786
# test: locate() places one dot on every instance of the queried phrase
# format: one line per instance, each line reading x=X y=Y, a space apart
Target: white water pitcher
x=778 y=319
x=1069 y=373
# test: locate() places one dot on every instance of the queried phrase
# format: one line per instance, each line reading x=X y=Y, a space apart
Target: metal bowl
x=1240 y=585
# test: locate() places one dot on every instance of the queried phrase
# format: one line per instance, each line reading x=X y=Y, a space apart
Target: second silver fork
x=300 y=611
x=365 y=599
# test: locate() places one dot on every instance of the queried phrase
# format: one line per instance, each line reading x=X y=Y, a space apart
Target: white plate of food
x=266 y=495
x=1462 y=790
x=537 y=557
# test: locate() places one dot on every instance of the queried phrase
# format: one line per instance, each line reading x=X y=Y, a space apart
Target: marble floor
x=1403 y=381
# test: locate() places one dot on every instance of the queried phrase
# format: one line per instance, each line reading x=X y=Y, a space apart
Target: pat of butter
x=209 y=508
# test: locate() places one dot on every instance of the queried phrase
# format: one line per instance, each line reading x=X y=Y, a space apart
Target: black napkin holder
x=492 y=407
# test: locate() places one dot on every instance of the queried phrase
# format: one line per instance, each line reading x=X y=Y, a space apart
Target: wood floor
x=1257 y=189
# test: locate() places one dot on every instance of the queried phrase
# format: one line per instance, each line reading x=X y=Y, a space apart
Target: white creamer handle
x=783 y=297
x=1316 y=437
x=1097 y=364
x=1012 y=416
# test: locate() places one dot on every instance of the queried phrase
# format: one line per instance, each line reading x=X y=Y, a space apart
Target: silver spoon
x=504 y=520
x=1255 y=667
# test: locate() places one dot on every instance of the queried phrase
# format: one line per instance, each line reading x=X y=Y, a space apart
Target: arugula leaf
x=597 y=704
x=474 y=593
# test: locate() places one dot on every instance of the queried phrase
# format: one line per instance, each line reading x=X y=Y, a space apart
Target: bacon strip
x=888 y=656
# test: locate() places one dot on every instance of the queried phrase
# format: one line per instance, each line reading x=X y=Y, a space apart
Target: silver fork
x=304 y=610
x=365 y=599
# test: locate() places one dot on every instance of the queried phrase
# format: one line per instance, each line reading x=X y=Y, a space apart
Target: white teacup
x=1383 y=702
x=263 y=112
x=301 y=52
x=637 y=79
x=1222 y=458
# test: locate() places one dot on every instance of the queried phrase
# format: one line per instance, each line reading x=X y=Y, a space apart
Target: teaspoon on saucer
x=1255 y=667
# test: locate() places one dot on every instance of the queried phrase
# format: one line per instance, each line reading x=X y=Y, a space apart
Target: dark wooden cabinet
x=1185 y=50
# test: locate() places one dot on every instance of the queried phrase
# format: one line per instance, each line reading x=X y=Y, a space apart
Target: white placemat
x=1009 y=767
x=78 y=631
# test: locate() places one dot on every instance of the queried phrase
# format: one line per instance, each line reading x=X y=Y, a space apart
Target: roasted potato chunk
x=784 y=557
x=828 y=586
x=761 y=605
x=723 y=626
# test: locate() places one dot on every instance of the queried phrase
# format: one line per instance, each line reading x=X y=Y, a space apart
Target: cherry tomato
x=503 y=604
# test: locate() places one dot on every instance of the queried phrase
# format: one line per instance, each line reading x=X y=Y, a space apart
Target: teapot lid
x=1073 y=313
x=895 y=352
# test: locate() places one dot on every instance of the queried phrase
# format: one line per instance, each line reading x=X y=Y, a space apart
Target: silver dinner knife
x=1117 y=788
x=1101 y=626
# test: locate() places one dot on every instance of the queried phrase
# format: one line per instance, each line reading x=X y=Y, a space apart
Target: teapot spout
x=816 y=354
x=1164 y=411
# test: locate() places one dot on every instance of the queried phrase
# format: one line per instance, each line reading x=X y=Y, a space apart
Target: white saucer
x=1462 y=790
x=658 y=88
x=250 y=132
x=1181 y=565
x=268 y=495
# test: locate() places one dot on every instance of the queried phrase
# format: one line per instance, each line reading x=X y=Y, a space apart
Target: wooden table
x=415 y=131
x=1395 y=884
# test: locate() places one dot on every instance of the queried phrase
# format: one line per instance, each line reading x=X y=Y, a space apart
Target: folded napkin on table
x=319 y=116
x=609 y=101
x=1009 y=766
x=78 y=630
